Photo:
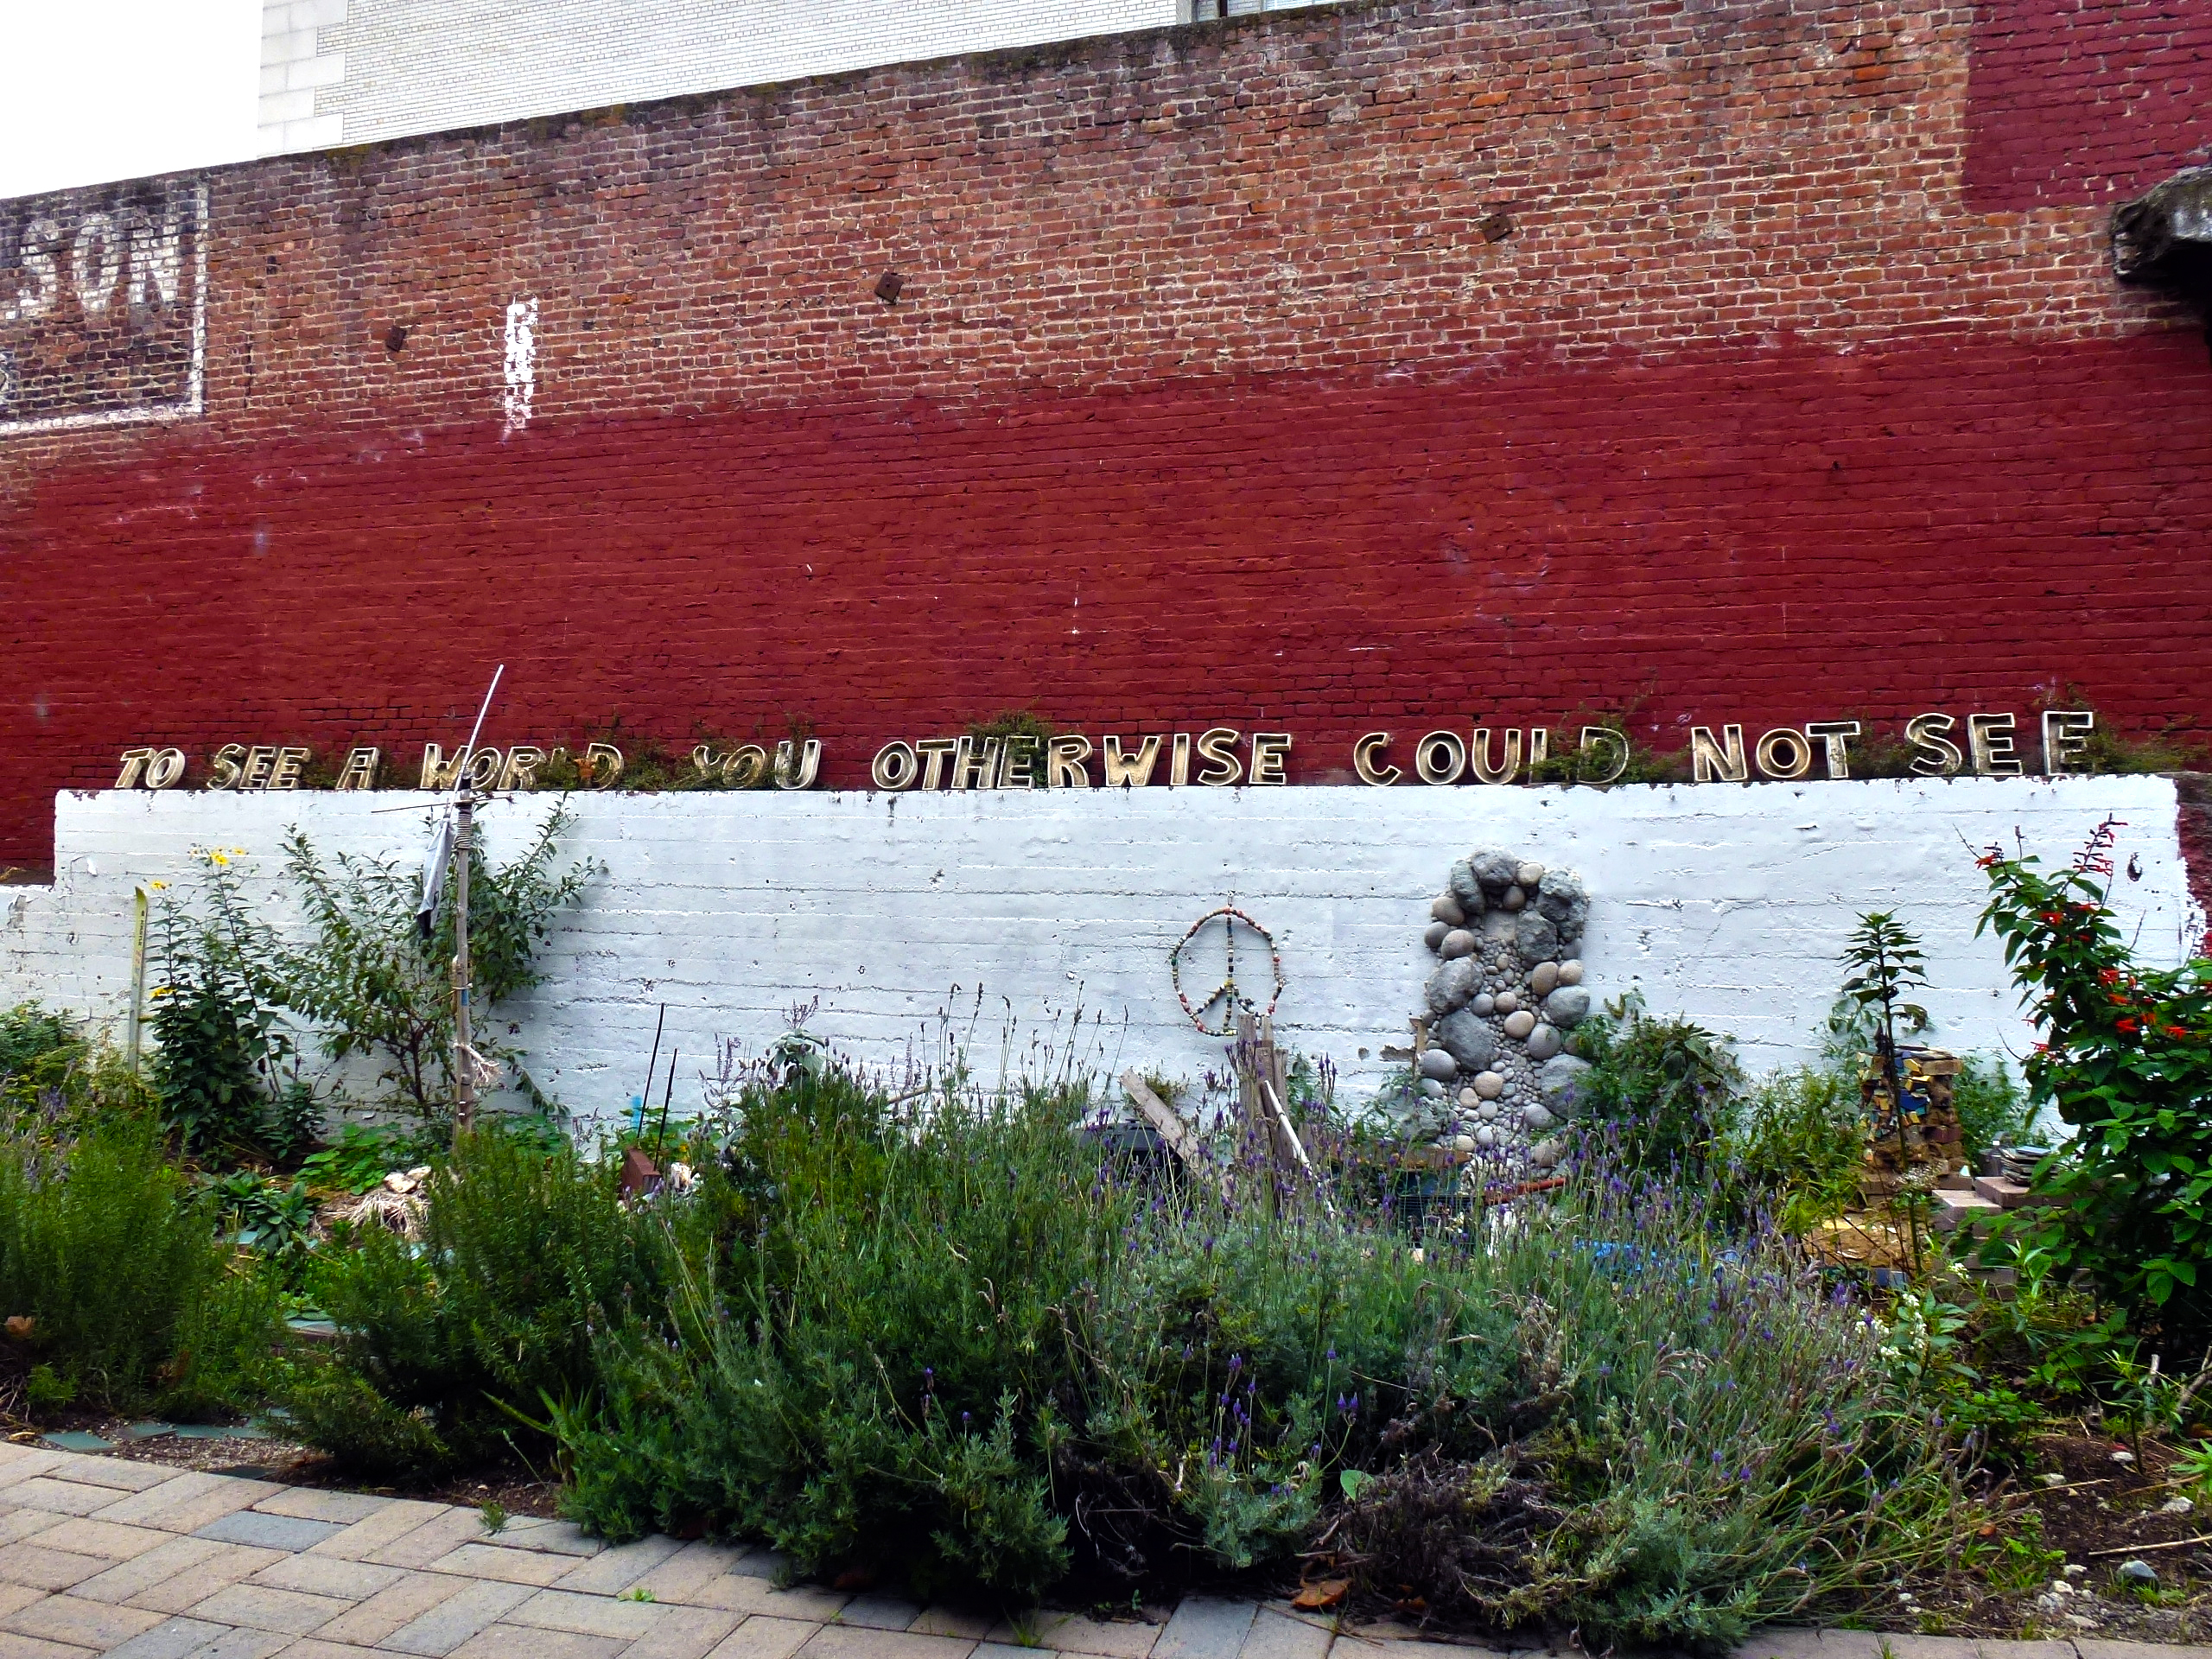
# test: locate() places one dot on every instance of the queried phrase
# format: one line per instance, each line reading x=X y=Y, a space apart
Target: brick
x=766 y=1637
x=397 y=1604
x=173 y=1638
x=437 y=1536
x=244 y=1644
x=1205 y=1627
x=446 y=1626
x=562 y=1610
x=85 y=1624
x=741 y=1592
x=310 y=1504
x=674 y=1579
x=1287 y=1636
x=187 y=1502
x=514 y=1642
x=321 y=1575
x=269 y=1531
x=60 y=1497
x=555 y=1537
x=615 y=1570
x=45 y=1569
x=33 y=1647
x=880 y=1612
x=223 y=1564
x=512 y=1565
x=384 y=1530
x=944 y=1619
x=1074 y=1633
x=105 y=1539
x=683 y=1633
x=262 y=1607
x=164 y=1564
x=119 y=1474
x=854 y=1642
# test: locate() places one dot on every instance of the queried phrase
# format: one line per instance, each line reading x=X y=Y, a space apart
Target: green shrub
x=955 y=1342
x=523 y=1253
x=1993 y=1109
x=105 y=1246
x=1664 y=1093
x=2126 y=1061
x=1800 y=1146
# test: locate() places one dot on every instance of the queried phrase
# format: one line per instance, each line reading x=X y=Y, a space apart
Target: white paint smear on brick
x=1729 y=905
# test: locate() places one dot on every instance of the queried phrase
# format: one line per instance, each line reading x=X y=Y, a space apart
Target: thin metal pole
x=464 y=1064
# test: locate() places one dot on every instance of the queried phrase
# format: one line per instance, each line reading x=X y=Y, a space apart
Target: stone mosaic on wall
x=1494 y=1077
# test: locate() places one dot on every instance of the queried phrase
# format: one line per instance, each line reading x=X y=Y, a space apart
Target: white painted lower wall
x=902 y=913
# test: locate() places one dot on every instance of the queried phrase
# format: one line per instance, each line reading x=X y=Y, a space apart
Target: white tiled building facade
x=353 y=71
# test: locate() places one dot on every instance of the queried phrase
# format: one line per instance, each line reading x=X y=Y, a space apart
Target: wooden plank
x=1171 y=1127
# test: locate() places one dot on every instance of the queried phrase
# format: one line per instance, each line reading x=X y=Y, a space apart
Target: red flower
x=2176 y=1031
x=2128 y=1025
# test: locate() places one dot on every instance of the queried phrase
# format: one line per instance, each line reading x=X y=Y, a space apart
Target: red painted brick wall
x=2085 y=100
x=1215 y=393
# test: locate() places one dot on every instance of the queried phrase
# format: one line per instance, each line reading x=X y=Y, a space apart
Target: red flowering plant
x=2126 y=1061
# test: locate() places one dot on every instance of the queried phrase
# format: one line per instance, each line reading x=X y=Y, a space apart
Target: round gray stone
x=1513 y=899
x=1435 y=935
x=1431 y=1089
x=1493 y=869
x=1466 y=1039
x=1484 y=1003
x=1567 y=1006
x=1458 y=943
x=1541 y=979
x=1528 y=875
x=1505 y=1003
x=1534 y=937
x=1519 y=1024
x=1466 y=888
x=1560 y=1082
x=1536 y=1119
x=1545 y=1153
x=1446 y=909
x=1450 y=986
x=1438 y=1064
x=1570 y=973
x=1544 y=1042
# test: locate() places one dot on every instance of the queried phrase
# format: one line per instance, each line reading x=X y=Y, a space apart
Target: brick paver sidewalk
x=99 y=1555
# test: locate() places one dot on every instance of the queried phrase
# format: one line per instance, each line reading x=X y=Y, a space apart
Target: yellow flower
x=158 y=992
x=158 y=886
x=218 y=860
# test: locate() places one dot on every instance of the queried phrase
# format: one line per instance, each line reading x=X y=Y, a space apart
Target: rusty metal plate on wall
x=103 y=306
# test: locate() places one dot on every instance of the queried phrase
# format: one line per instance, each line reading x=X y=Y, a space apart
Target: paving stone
x=691 y=1567
x=17 y=1525
x=766 y=1638
x=32 y=1647
x=243 y=1645
x=857 y=1641
x=1205 y=1627
x=314 y=1647
x=223 y=1564
x=45 y=1569
x=1073 y=1633
x=60 y=1497
x=943 y=1620
x=451 y=1622
x=12 y=1451
x=397 y=1604
x=1911 y=1646
x=319 y=1575
x=617 y=1569
x=344 y=1508
x=269 y=1531
x=511 y=1566
x=27 y=1464
x=161 y=1565
x=1284 y=1636
x=172 y=1638
x=188 y=1501
x=82 y=1536
x=740 y=1593
x=86 y=1624
x=763 y=1564
x=556 y=1538
x=438 y=1536
x=16 y=1596
x=387 y=1530
x=78 y=1440
x=2091 y=1648
x=520 y=1642
x=263 y=1607
x=564 y=1609
x=683 y=1633
x=1002 y=1650
x=880 y=1612
x=120 y=1473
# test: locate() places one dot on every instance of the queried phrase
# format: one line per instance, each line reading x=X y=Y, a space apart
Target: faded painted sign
x=103 y=306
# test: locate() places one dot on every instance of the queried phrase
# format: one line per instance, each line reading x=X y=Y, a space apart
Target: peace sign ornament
x=1229 y=994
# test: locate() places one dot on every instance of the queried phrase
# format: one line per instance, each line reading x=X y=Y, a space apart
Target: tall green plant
x=1666 y=1092
x=105 y=1247
x=2126 y=1060
x=217 y=1018
x=375 y=986
x=1884 y=962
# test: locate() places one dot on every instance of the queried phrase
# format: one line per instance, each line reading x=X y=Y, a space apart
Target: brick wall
x=1365 y=368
